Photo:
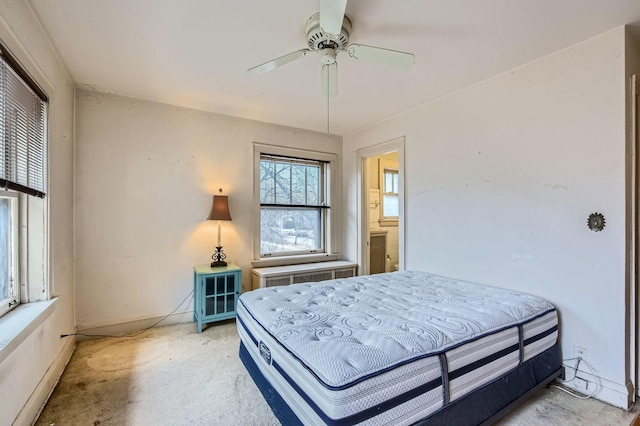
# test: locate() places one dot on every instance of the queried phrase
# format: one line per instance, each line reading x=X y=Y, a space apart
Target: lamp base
x=218 y=258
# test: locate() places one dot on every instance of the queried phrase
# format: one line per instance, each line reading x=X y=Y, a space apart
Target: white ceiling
x=194 y=53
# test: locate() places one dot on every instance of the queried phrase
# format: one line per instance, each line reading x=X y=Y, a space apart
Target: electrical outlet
x=580 y=352
x=581 y=383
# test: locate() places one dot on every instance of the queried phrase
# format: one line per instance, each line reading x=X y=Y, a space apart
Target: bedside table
x=216 y=292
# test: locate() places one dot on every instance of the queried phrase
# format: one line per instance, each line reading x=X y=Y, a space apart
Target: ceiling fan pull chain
x=328 y=116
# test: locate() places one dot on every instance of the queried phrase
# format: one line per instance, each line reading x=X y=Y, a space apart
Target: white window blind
x=23 y=148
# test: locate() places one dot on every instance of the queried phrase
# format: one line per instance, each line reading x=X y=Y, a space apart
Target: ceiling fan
x=328 y=34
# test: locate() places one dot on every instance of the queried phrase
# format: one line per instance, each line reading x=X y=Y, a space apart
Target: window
x=389 y=189
x=390 y=194
x=291 y=205
x=293 y=189
x=23 y=183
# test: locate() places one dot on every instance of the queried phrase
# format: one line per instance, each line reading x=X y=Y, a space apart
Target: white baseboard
x=126 y=326
x=36 y=402
x=616 y=394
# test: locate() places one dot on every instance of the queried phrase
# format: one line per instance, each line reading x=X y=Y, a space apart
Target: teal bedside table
x=216 y=292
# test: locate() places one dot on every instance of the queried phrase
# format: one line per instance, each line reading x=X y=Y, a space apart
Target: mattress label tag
x=265 y=352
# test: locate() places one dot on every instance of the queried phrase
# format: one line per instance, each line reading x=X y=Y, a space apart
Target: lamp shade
x=219 y=208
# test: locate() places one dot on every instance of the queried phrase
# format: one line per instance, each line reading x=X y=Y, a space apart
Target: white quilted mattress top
x=343 y=331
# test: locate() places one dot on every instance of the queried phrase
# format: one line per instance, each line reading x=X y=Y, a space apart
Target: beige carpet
x=175 y=376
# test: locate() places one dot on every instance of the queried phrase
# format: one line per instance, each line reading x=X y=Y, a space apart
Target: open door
x=381 y=201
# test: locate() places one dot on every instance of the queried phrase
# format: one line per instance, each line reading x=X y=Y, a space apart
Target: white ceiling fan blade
x=329 y=76
x=332 y=15
x=278 y=62
x=378 y=55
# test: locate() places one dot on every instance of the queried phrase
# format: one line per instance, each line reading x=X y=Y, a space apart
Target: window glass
x=267 y=183
x=9 y=291
x=391 y=206
x=291 y=230
x=391 y=198
x=282 y=183
x=388 y=181
x=5 y=248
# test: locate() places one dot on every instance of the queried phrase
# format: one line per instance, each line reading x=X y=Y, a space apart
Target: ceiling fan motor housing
x=329 y=44
x=319 y=40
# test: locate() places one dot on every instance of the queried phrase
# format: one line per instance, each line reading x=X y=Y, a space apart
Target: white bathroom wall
x=500 y=180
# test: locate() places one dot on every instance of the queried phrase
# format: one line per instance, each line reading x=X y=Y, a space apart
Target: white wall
x=500 y=180
x=145 y=174
x=28 y=373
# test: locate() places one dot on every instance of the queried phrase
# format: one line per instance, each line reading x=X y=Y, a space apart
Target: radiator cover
x=309 y=272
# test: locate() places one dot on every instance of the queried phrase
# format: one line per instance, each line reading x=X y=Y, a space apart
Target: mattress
x=388 y=348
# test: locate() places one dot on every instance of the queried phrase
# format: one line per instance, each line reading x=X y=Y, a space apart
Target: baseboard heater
x=309 y=272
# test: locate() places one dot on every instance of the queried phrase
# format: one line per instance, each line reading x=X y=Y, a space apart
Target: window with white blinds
x=23 y=147
x=23 y=184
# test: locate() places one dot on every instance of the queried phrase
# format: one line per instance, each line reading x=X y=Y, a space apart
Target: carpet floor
x=175 y=376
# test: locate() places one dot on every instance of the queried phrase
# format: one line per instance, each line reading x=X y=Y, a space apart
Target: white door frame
x=362 y=155
x=634 y=320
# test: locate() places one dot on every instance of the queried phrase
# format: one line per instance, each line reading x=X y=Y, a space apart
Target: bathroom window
x=390 y=193
x=390 y=198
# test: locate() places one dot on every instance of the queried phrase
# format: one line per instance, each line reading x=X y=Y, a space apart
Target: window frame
x=328 y=209
x=384 y=166
x=318 y=208
x=14 y=295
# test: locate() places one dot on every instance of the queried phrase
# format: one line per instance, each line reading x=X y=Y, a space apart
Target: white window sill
x=294 y=260
x=18 y=324
x=388 y=222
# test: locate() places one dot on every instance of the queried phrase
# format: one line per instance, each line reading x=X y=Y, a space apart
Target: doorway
x=381 y=201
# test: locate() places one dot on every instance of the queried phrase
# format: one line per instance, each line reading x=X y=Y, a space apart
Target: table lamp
x=219 y=211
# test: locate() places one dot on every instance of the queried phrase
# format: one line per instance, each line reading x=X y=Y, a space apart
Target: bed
x=398 y=348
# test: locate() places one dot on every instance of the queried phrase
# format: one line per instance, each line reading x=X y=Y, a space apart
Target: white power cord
x=575 y=375
x=573 y=394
